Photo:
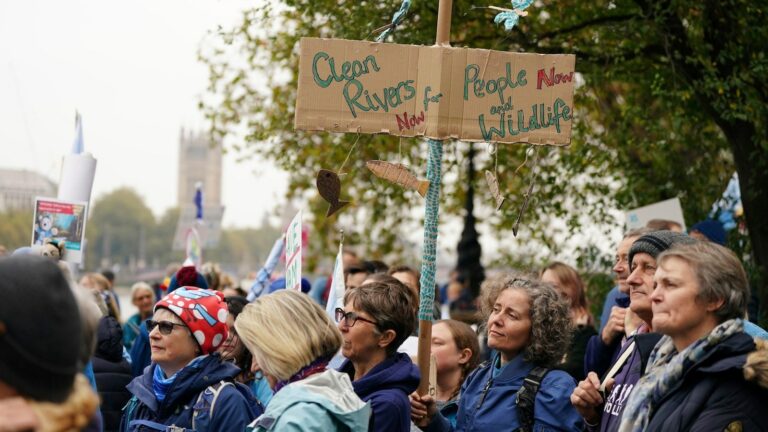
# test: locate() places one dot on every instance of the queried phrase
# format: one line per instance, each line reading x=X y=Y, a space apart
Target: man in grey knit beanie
x=602 y=405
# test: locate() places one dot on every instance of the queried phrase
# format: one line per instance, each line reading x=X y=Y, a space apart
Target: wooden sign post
x=438 y=92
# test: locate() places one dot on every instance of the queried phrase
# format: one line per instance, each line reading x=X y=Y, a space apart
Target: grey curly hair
x=551 y=327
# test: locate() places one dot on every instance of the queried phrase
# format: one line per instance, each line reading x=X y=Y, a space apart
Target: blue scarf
x=161 y=384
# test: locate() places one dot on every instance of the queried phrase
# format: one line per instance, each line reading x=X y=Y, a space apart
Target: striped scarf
x=665 y=369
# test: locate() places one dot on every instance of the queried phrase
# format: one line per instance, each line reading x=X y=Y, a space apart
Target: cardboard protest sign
x=669 y=209
x=61 y=220
x=293 y=254
x=435 y=91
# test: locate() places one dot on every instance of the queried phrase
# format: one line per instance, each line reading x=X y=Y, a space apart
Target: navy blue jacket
x=387 y=387
x=112 y=372
x=713 y=394
x=232 y=412
x=489 y=404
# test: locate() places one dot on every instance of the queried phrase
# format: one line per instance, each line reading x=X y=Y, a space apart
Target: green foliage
x=117 y=222
x=16 y=229
x=665 y=88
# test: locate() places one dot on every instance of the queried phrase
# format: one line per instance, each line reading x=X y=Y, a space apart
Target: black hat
x=40 y=329
x=654 y=243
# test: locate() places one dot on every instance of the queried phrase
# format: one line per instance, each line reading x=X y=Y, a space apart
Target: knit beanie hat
x=203 y=311
x=712 y=230
x=40 y=329
x=187 y=276
x=657 y=242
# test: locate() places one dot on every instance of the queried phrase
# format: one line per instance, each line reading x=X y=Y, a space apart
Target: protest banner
x=60 y=220
x=437 y=92
x=293 y=254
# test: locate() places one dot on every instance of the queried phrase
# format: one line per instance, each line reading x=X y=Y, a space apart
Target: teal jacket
x=321 y=402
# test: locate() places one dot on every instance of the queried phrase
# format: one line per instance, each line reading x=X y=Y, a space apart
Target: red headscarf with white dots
x=203 y=311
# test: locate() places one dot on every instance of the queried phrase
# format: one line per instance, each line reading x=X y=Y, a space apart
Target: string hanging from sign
x=529 y=192
x=493 y=178
x=397 y=18
x=350 y=152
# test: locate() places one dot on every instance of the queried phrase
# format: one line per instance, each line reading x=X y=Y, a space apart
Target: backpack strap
x=214 y=390
x=526 y=397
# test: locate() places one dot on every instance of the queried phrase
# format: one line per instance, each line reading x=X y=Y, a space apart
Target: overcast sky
x=131 y=70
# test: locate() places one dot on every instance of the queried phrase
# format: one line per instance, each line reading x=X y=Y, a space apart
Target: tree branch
x=586 y=24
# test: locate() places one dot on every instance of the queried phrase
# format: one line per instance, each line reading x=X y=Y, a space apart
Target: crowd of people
x=673 y=350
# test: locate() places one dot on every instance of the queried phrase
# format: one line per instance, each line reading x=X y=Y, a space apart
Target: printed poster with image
x=60 y=220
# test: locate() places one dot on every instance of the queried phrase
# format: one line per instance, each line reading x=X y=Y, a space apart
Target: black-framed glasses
x=165 y=327
x=351 y=318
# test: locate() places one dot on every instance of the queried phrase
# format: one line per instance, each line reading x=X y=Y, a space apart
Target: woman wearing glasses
x=188 y=385
x=292 y=340
x=528 y=325
x=376 y=319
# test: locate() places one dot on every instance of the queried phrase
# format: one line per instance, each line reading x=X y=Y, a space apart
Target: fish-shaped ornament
x=493 y=184
x=398 y=174
x=329 y=186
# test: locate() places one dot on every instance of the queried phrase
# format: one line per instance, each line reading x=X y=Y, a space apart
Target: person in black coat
x=112 y=372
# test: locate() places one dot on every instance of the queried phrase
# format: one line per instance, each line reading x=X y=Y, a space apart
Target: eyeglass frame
x=339 y=314
x=151 y=324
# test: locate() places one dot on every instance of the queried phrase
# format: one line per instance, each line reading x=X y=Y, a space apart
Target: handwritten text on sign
x=438 y=92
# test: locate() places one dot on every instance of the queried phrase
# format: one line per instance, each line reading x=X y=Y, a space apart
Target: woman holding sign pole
x=529 y=326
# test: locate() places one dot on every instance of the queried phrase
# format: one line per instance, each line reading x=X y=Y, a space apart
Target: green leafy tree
x=671 y=100
x=16 y=229
x=117 y=222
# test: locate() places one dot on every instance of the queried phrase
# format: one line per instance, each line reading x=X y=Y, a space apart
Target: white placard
x=293 y=254
x=669 y=209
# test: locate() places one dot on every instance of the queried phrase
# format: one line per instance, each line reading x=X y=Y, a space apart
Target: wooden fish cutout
x=493 y=184
x=329 y=186
x=398 y=174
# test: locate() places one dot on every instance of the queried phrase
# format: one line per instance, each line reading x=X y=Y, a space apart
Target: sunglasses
x=165 y=327
x=351 y=318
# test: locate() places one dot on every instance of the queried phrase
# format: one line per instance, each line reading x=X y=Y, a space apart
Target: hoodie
x=322 y=402
x=387 y=387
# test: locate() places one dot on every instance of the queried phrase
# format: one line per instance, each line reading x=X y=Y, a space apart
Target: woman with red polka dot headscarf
x=188 y=385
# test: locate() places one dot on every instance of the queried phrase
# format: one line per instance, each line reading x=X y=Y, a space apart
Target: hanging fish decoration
x=329 y=186
x=493 y=184
x=398 y=174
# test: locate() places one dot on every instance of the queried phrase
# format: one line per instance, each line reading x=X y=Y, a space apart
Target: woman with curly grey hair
x=529 y=326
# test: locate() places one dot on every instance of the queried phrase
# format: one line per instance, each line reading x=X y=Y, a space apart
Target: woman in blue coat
x=188 y=386
x=528 y=324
